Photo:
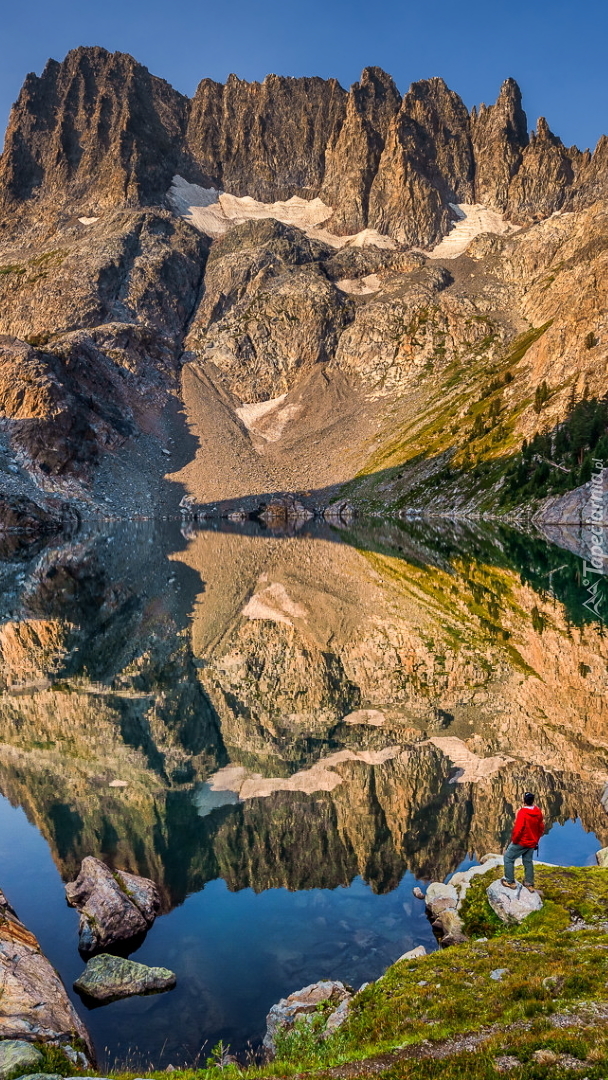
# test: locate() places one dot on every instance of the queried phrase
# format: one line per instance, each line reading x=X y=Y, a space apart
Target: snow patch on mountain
x=473 y=220
x=214 y=212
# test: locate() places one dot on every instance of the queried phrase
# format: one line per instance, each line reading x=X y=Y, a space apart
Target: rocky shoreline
x=35 y=1011
x=34 y=1006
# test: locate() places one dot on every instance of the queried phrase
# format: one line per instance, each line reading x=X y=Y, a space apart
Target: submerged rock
x=301 y=1004
x=106 y=978
x=34 y=1005
x=16 y=1054
x=113 y=906
x=512 y=905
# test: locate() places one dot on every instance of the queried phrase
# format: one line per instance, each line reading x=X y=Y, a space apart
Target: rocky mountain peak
x=499 y=134
x=381 y=86
x=97 y=129
x=544 y=133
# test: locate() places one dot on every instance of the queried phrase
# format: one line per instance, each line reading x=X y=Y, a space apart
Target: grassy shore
x=543 y=1013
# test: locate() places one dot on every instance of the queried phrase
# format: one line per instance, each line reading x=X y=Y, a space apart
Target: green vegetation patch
x=36 y=267
x=558 y=461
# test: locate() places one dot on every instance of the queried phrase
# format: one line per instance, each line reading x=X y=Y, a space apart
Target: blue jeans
x=513 y=852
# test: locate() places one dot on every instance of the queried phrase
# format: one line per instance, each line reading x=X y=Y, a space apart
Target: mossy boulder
x=107 y=978
x=17 y=1057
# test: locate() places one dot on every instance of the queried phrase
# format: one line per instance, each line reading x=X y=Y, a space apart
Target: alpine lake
x=286 y=731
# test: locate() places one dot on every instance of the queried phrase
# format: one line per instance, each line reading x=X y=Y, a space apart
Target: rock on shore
x=34 y=1005
x=512 y=905
x=443 y=901
x=17 y=1054
x=303 y=1003
x=113 y=906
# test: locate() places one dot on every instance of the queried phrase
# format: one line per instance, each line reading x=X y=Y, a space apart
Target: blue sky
x=555 y=49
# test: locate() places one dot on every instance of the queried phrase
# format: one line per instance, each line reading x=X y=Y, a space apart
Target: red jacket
x=529 y=827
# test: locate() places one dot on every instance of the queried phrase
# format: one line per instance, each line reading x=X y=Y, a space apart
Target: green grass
x=36 y=267
x=463 y=432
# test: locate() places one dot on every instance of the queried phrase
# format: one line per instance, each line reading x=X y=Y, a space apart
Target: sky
x=556 y=50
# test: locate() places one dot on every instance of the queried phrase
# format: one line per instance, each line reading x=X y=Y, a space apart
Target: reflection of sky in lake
x=569 y=845
x=234 y=953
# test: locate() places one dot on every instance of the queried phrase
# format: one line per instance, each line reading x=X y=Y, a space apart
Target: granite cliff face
x=97 y=130
x=392 y=279
x=94 y=131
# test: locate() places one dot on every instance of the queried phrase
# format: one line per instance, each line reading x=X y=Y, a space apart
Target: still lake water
x=303 y=727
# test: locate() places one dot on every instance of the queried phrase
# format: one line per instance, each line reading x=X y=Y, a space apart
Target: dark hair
x=528 y=799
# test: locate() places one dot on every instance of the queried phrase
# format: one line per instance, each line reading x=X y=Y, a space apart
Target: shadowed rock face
x=499 y=135
x=267 y=140
x=95 y=130
x=352 y=163
x=103 y=308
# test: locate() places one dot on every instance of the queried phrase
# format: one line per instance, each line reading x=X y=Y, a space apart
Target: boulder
x=440 y=897
x=413 y=954
x=113 y=906
x=461 y=880
x=106 y=978
x=300 y=1004
x=340 y=513
x=17 y=1056
x=512 y=905
x=34 y=1005
x=442 y=903
x=602 y=856
x=41 y=1076
x=337 y=1017
x=285 y=508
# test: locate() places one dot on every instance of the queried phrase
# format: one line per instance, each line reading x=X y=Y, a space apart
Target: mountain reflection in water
x=292 y=727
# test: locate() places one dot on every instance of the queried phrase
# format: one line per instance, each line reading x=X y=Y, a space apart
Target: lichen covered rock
x=17 y=1055
x=300 y=1004
x=106 y=978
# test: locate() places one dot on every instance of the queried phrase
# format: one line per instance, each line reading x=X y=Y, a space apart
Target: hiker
x=527 y=831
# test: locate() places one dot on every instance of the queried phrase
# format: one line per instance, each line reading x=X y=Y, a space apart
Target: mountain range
x=285 y=292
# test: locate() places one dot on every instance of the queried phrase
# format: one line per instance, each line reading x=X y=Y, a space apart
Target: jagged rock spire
x=99 y=130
